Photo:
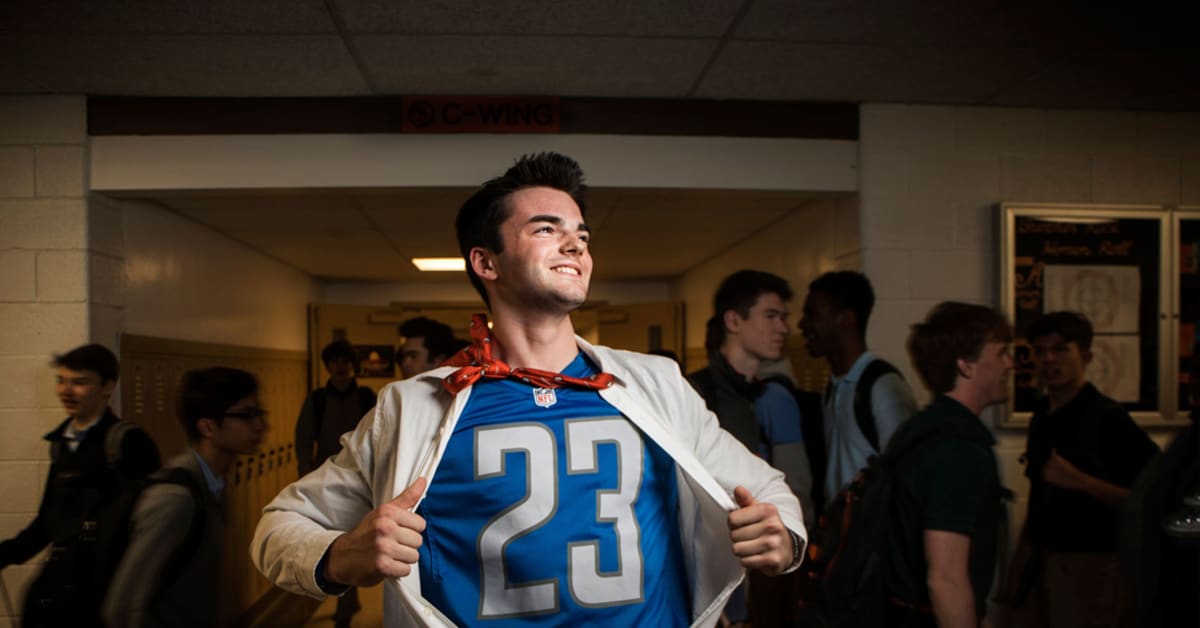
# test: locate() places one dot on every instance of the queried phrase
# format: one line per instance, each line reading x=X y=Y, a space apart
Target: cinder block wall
x=45 y=262
x=931 y=177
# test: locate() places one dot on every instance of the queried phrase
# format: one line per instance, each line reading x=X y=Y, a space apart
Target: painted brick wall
x=45 y=262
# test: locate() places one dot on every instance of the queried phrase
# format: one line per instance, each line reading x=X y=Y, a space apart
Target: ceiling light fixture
x=436 y=264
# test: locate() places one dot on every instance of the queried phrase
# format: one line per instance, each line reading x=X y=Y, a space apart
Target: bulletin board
x=1106 y=263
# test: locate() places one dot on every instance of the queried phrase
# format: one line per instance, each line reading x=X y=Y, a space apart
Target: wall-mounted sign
x=480 y=114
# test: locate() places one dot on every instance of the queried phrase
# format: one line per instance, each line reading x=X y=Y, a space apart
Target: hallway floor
x=371 y=615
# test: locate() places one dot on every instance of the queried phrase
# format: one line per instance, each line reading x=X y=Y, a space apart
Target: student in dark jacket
x=327 y=413
x=94 y=458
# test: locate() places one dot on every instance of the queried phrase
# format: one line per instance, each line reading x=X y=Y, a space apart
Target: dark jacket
x=81 y=486
x=328 y=413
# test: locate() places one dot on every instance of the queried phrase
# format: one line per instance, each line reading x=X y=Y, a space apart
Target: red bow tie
x=476 y=361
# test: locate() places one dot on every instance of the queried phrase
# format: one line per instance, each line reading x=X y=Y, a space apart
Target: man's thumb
x=743 y=497
x=411 y=495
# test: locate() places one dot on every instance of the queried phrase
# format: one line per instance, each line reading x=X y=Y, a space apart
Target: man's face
x=1059 y=363
x=991 y=371
x=764 y=331
x=341 y=370
x=546 y=264
x=820 y=324
x=414 y=357
x=243 y=428
x=82 y=394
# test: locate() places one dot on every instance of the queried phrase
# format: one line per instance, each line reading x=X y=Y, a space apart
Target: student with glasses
x=169 y=574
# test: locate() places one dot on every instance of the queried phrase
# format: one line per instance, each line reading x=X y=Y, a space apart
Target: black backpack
x=113 y=530
x=846 y=568
x=92 y=561
x=864 y=415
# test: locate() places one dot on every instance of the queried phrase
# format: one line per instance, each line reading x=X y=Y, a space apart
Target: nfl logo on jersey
x=544 y=397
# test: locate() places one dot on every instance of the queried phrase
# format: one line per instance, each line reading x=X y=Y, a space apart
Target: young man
x=169 y=575
x=331 y=410
x=946 y=500
x=94 y=458
x=834 y=326
x=749 y=326
x=427 y=343
x=1083 y=453
x=327 y=413
x=546 y=478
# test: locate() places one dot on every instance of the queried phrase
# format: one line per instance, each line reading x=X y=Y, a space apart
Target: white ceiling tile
x=674 y=18
x=596 y=66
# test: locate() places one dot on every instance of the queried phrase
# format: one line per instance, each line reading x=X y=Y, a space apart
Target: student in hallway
x=94 y=458
x=169 y=575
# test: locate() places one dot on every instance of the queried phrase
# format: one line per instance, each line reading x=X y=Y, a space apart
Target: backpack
x=846 y=568
x=864 y=415
x=114 y=528
x=105 y=535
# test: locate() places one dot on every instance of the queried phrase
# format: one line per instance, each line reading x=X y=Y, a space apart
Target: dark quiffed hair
x=438 y=337
x=1072 y=326
x=338 y=349
x=208 y=393
x=739 y=292
x=848 y=290
x=93 y=357
x=479 y=219
x=951 y=331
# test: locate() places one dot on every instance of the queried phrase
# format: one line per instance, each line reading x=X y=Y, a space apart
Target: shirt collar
x=856 y=369
x=214 y=483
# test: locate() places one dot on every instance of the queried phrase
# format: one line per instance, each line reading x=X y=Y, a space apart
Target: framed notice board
x=1186 y=314
x=1108 y=263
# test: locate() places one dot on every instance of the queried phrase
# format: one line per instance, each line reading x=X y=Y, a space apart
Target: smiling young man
x=94 y=458
x=946 y=495
x=541 y=479
x=169 y=575
x=1083 y=453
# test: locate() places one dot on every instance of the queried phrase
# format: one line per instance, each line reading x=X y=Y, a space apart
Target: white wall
x=182 y=280
x=818 y=237
x=931 y=178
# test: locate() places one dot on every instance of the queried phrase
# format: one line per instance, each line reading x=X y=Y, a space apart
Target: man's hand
x=759 y=537
x=1062 y=474
x=383 y=545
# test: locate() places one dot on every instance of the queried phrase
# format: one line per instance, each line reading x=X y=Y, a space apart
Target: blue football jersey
x=550 y=508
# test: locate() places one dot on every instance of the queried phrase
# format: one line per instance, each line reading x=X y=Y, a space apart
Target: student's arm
x=1061 y=473
x=950 y=593
x=893 y=403
x=161 y=521
x=778 y=415
x=28 y=542
x=306 y=437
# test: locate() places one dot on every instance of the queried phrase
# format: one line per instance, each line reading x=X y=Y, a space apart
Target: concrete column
x=48 y=270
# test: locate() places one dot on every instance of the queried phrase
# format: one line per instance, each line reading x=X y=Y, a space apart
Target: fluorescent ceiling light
x=428 y=264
